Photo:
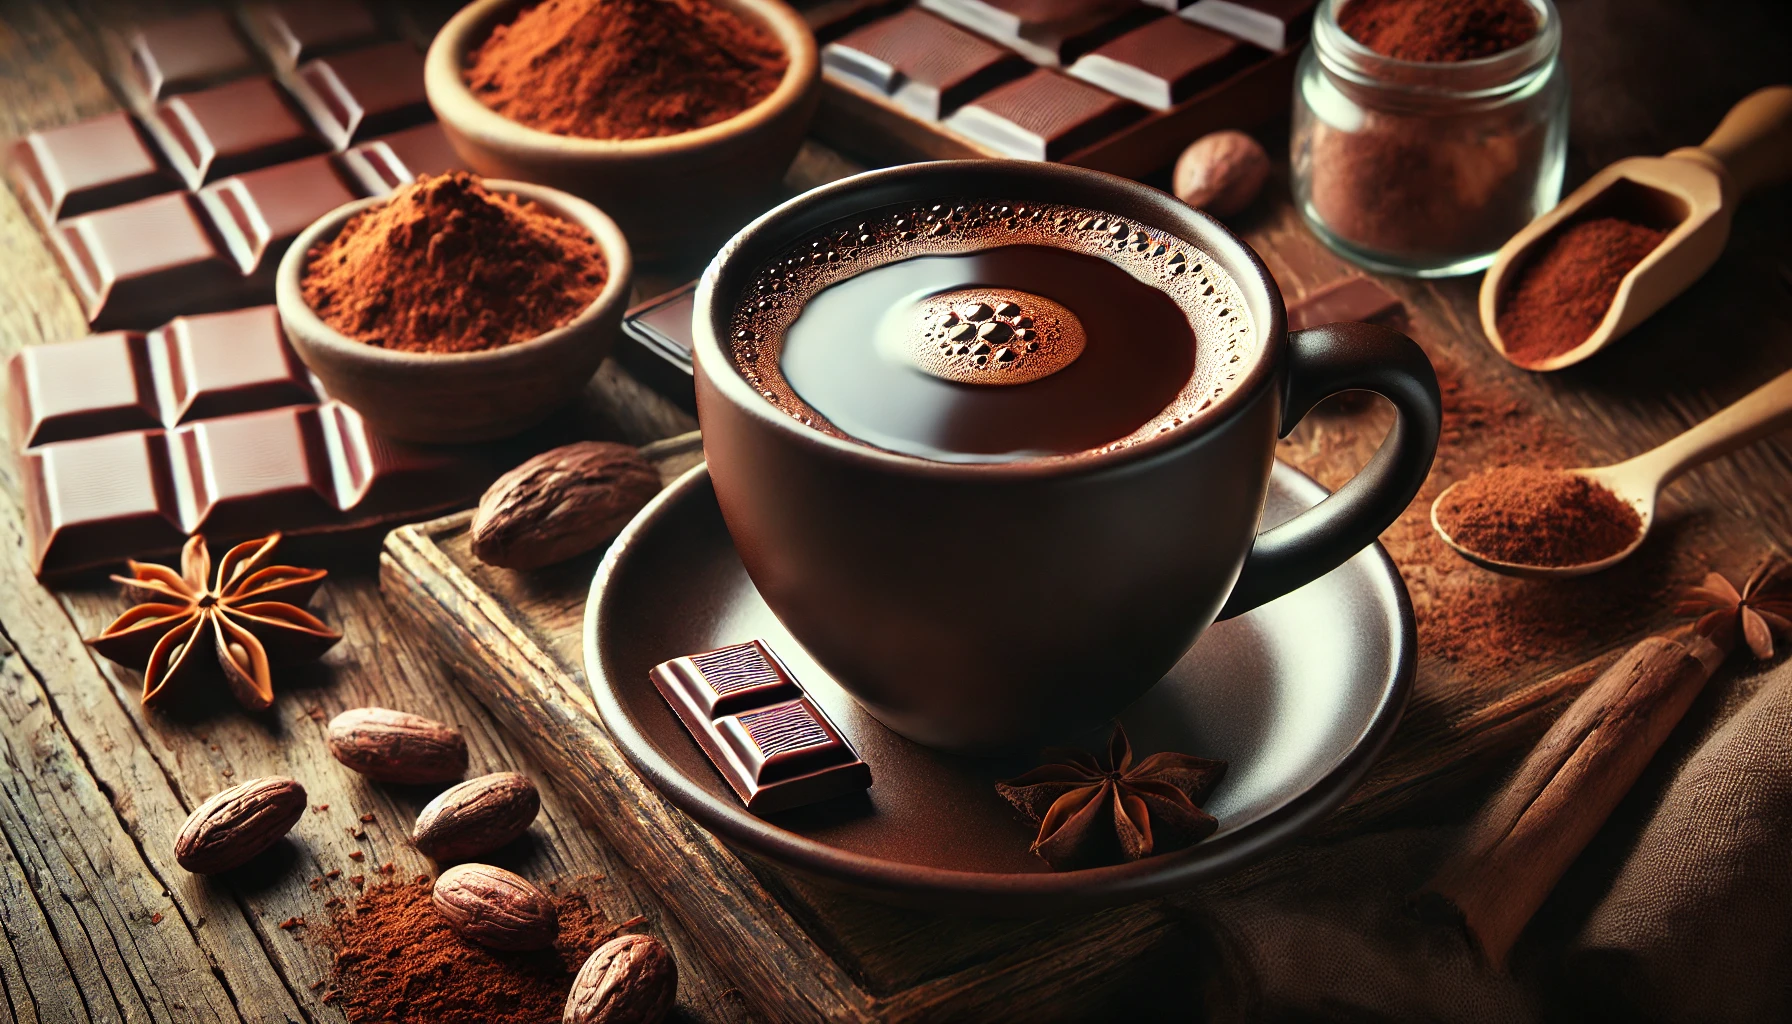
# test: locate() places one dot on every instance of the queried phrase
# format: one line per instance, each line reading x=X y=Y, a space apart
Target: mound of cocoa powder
x=1557 y=300
x=625 y=69
x=398 y=962
x=1530 y=516
x=1429 y=32
x=446 y=265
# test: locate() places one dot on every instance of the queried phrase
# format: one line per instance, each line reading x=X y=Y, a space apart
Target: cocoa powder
x=446 y=265
x=1429 y=32
x=398 y=962
x=1529 y=516
x=1557 y=300
x=625 y=69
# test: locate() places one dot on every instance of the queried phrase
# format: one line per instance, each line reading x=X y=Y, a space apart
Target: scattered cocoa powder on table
x=1558 y=298
x=625 y=69
x=399 y=962
x=1524 y=515
x=447 y=265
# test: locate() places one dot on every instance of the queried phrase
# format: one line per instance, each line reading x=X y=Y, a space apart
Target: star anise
x=1763 y=605
x=1093 y=811
x=251 y=612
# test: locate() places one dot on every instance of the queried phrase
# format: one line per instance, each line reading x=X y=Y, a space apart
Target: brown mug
x=1128 y=556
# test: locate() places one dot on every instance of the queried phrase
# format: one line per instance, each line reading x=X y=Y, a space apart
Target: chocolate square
x=258 y=468
x=141 y=263
x=920 y=63
x=259 y=213
x=98 y=385
x=1049 y=32
x=1272 y=24
x=381 y=165
x=291 y=31
x=1044 y=116
x=185 y=53
x=774 y=746
x=230 y=129
x=357 y=95
x=85 y=166
x=221 y=364
x=1162 y=63
x=114 y=492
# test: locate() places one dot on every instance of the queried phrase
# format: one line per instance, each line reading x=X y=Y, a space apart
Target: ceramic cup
x=1124 y=558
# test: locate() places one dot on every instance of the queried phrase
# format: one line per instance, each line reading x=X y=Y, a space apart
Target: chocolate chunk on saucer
x=1044 y=116
x=775 y=747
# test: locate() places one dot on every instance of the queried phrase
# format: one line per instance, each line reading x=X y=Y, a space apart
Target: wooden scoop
x=1639 y=480
x=1692 y=193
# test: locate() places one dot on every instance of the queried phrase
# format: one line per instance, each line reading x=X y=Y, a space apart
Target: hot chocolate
x=988 y=331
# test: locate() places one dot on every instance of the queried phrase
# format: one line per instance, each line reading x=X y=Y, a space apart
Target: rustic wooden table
x=99 y=924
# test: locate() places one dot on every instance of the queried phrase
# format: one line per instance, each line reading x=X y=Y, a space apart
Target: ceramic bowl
x=464 y=396
x=663 y=191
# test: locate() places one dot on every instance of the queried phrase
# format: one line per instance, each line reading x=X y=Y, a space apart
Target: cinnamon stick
x=1526 y=837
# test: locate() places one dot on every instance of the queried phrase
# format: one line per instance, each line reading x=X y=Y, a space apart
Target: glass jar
x=1427 y=168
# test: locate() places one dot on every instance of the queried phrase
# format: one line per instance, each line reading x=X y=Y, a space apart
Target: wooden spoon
x=1639 y=480
x=1691 y=192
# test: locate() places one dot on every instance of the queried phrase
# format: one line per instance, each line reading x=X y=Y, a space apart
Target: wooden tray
x=798 y=951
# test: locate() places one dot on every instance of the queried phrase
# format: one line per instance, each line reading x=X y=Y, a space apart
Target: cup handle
x=1325 y=361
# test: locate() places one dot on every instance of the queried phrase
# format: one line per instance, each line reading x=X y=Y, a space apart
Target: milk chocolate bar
x=232 y=128
x=1044 y=116
x=146 y=261
x=1048 y=32
x=131 y=442
x=775 y=747
x=922 y=64
x=260 y=213
x=293 y=31
x=159 y=59
x=86 y=166
x=357 y=95
x=1162 y=63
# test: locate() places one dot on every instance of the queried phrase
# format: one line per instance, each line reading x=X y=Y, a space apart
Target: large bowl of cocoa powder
x=457 y=309
x=677 y=117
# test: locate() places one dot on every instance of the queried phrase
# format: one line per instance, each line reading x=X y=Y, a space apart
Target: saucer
x=1299 y=696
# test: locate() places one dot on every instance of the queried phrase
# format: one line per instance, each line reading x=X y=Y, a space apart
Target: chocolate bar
x=1179 y=81
x=1162 y=63
x=1044 y=116
x=1271 y=24
x=1351 y=298
x=86 y=166
x=921 y=63
x=181 y=54
x=657 y=345
x=1049 y=32
x=293 y=31
x=775 y=747
x=209 y=424
x=231 y=128
x=357 y=95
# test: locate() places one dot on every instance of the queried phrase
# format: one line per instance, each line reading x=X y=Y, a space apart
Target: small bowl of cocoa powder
x=679 y=117
x=457 y=309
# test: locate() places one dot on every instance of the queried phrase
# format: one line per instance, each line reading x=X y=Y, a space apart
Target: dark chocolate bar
x=1162 y=63
x=259 y=213
x=1272 y=24
x=357 y=95
x=146 y=261
x=1049 y=32
x=775 y=747
x=1044 y=116
x=210 y=424
x=180 y=54
x=293 y=31
x=1351 y=298
x=231 y=128
x=86 y=166
x=656 y=344
x=920 y=63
